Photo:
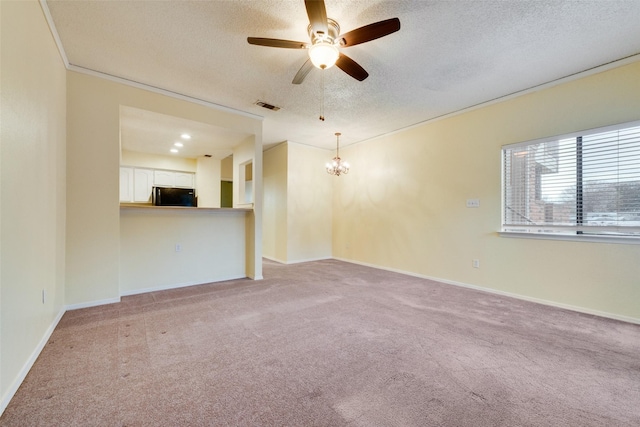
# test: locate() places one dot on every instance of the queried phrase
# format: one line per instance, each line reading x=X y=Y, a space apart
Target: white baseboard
x=92 y=303
x=297 y=261
x=279 y=261
x=29 y=363
x=578 y=309
x=177 y=285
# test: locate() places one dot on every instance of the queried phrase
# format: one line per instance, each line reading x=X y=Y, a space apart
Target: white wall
x=212 y=248
x=32 y=190
x=402 y=206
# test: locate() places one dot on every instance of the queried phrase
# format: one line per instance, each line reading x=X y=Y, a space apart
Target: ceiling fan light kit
x=323 y=55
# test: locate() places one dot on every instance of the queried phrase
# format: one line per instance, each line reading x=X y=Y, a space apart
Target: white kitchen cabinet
x=126 y=184
x=142 y=185
x=136 y=184
x=164 y=178
x=184 y=179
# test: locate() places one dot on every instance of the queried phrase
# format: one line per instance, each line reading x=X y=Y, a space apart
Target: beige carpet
x=331 y=344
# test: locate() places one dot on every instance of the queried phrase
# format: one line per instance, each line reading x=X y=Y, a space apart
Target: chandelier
x=337 y=167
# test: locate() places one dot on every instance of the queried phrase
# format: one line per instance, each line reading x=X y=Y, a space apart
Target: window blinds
x=587 y=183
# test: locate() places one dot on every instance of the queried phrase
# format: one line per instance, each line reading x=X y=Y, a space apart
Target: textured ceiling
x=447 y=56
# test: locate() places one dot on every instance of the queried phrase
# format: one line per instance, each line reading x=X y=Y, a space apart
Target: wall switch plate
x=178 y=247
x=475 y=263
x=473 y=203
x=44 y=296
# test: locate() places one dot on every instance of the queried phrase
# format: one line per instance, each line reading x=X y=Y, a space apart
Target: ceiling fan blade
x=369 y=32
x=317 y=15
x=351 y=67
x=302 y=72
x=288 y=44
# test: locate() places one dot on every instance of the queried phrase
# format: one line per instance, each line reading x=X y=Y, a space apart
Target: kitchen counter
x=149 y=207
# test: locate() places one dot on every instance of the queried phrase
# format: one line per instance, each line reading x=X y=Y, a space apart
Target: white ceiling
x=447 y=56
x=150 y=132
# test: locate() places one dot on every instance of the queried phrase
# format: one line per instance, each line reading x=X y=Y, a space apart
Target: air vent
x=267 y=106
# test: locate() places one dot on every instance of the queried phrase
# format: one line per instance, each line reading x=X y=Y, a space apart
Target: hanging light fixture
x=337 y=167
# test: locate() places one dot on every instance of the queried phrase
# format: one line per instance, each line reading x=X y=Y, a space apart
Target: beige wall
x=250 y=151
x=309 y=198
x=32 y=189
x=298 y=195
x=226 y=166
x=208 y=182
x=93 y=213
x=274 y=219
x=402 y=206
x=212 y=248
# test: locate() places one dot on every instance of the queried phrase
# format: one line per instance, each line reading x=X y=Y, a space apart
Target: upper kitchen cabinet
x=164 y=178
x=143 y=184
x=136 y=183
x=126 y=184
x=183 y=179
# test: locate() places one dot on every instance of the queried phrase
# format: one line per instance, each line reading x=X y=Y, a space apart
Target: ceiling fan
x=326 y=40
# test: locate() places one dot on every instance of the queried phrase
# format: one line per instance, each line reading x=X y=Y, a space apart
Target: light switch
x=473 y=203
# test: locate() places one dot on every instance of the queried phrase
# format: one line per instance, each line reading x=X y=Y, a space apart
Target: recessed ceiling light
x=185 y=136
x=179 y=144
x=174 y=150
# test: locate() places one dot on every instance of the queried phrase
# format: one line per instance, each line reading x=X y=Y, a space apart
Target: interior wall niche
x=246 y=182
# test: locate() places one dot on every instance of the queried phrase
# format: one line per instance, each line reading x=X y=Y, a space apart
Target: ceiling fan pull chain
x=322 y=99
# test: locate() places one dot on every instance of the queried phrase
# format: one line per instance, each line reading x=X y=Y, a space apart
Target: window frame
x=577 y=235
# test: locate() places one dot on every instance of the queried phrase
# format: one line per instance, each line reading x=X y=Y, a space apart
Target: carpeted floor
x=329 y=343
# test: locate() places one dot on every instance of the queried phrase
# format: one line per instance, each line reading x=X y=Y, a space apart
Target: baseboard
x=297 y=261
x=578 y=309
x=29 y=363
x=92 y=303
x=178 y=285
x=279 y=261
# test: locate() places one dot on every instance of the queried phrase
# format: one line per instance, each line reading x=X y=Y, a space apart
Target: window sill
x=622 y=240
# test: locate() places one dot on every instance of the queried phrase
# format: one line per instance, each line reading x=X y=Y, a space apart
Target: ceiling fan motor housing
x=333 y=30
x=326 y=40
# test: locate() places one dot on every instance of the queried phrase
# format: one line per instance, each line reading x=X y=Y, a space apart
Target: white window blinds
x=587 y=183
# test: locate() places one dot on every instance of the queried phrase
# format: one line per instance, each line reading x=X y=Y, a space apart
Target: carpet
x=330 y=343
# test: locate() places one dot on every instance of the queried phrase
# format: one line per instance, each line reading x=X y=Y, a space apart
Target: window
x=582 y=184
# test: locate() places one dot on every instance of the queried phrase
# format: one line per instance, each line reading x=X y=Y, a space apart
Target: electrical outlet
x=475 y=263
x=473 y=203
x=178 y=247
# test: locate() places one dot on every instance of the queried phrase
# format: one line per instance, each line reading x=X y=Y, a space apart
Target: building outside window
x=586 y=183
